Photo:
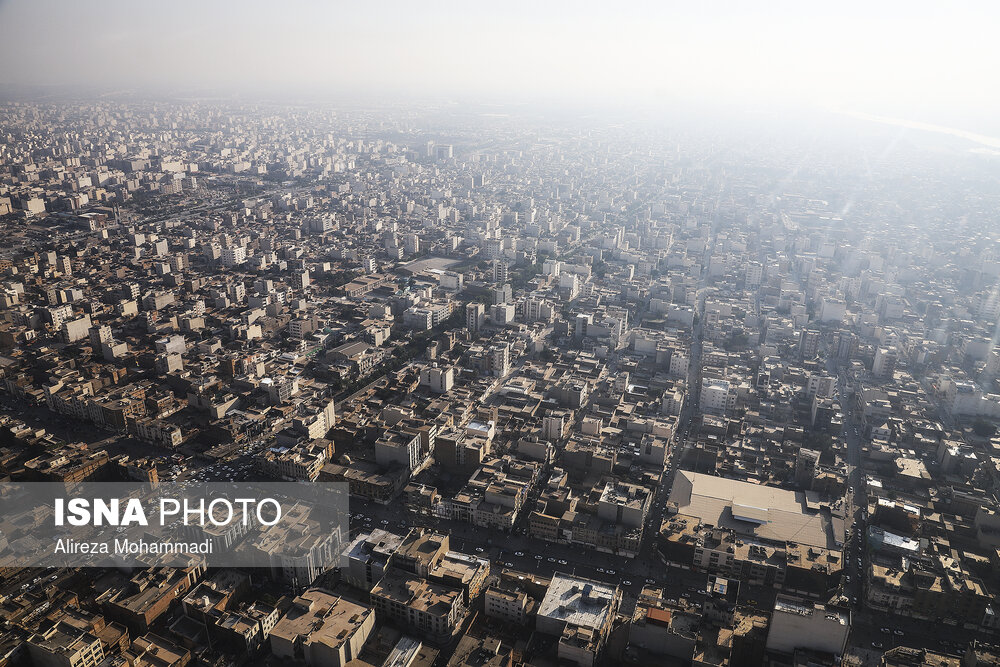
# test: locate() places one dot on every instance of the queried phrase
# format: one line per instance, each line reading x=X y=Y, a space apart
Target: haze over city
x=517 y=334
x=928 y=62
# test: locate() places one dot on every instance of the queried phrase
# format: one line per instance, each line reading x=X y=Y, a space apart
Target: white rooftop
x=577 y=600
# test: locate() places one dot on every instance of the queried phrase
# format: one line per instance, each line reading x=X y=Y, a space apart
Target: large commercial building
x=765 y=512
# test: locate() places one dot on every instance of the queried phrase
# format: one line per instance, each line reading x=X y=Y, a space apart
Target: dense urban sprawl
x=601 y=392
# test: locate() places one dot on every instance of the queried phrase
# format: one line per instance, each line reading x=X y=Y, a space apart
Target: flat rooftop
x=786 y=606
x=425 y=263
x=321 y=618
x=577 y=601
x=766 y=512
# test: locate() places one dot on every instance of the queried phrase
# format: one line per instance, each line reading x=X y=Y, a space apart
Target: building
x=233 y=256
x=752 y=510
x=148 y=595
x=797 y=624
x=717 y=396
x=64 y=645
x=475 y=317
x=366 y=284
x=438 y=380
x=430 y=610
x=498 y=359
x=300 y=547
x=473 y=651
x=581 y=613
x=399 y=448
x=151 y=650
x=322 y=630
x=302 y=461
x=625 y=504
x=507 y=605
x=806 y=462
x=368 y=558
x=500 y=272
x=494 y=495
x=76 y=330
x=662 y=627
x=885 y=363
x=832 y=310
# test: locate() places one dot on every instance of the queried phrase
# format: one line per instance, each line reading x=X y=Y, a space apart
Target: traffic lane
x=872 y=626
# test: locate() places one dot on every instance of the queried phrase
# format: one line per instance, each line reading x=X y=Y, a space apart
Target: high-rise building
x=806 y=461
x=498 y=359
x=809 y=343
x=885 y=363
x=500 y=271
x=475 y=316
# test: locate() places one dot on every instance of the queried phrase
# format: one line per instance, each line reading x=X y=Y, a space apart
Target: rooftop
x=764 y=511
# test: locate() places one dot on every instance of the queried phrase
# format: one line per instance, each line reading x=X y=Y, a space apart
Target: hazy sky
x=912 y=59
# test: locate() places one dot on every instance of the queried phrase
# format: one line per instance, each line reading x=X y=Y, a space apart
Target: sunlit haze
x=928 y=61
